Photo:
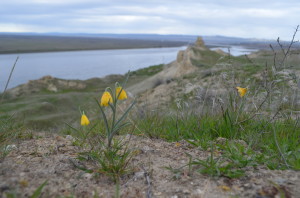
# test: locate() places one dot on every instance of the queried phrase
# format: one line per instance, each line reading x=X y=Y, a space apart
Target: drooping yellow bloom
x=242 y=91
x=106 y=98
x=84 y=120
x=122 y=95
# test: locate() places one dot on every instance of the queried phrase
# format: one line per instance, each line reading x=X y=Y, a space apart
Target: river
x=81 y=64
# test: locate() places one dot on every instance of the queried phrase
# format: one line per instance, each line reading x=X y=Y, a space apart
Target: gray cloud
x=260 y=19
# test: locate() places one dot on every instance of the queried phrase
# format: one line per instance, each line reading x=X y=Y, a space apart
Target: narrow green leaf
x=72 y=127
x=104 y=117
x=116 y=129
x=125 y=114
x=38 y=191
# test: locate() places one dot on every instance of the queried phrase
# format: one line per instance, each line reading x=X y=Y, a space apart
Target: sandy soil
x=49 y=158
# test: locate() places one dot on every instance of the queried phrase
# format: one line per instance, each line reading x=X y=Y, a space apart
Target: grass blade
x=38 y=191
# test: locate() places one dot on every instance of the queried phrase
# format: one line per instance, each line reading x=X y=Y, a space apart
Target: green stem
x=110 y=135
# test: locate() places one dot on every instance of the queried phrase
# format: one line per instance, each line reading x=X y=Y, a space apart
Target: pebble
x=36 y=159
x=147 y=149
x=4 y=188
x=10 y=147
x=139 y=175
x=70 y=137
x=280 y=180
x=197 y=193
x=87 y=176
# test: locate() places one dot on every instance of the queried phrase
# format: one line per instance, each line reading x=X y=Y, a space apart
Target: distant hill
x=22 y=43
x=37 y=42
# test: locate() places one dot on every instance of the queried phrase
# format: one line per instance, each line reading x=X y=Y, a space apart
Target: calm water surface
x=81 y=64
x=235 y=50
x=84 y=64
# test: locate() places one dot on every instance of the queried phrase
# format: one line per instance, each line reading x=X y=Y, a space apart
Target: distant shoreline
x=95 y=49
x=74 y=50
x=11 y=44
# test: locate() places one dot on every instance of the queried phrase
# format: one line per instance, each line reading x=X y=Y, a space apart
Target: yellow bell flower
x=122 y=95
x=242 y=91
x=106 y=98
x=84 y=120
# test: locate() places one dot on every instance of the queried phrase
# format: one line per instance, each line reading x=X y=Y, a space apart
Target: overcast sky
x=267 y=19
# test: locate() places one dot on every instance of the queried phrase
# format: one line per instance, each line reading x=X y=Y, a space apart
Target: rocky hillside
x=202 y=73
x=181 y=76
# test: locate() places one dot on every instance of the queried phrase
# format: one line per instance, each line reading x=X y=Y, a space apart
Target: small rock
x=4 y=188
x=280 y=180
x=70 y=137
x=197 y=193
x=87 y=176
x=36 y=159
x=52 y=87
x=139 y=175
x=10 y=147
x=221 y=140
x=147 y=149
x=59 y=138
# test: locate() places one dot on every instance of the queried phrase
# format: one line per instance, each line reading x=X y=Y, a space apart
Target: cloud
x=252 y=18
x=12 y=27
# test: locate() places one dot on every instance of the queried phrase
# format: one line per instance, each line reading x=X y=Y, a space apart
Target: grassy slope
x=48 y=110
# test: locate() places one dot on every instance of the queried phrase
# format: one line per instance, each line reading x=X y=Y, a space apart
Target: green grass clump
x=9 y=131
x=259 y=143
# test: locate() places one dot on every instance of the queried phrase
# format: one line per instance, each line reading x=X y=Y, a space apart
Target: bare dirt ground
x=49 y=158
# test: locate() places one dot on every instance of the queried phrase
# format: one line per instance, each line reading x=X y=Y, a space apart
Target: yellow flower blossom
x=242 y=91
x=122 y=95
x=106 y=98
x=84 y=120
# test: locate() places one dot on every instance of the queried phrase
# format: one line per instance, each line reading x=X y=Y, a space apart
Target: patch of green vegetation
x=11 y=106
x=251 y=69
x=207 y=58
x=260 y=147
x=47 y=110
x=149 y=71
